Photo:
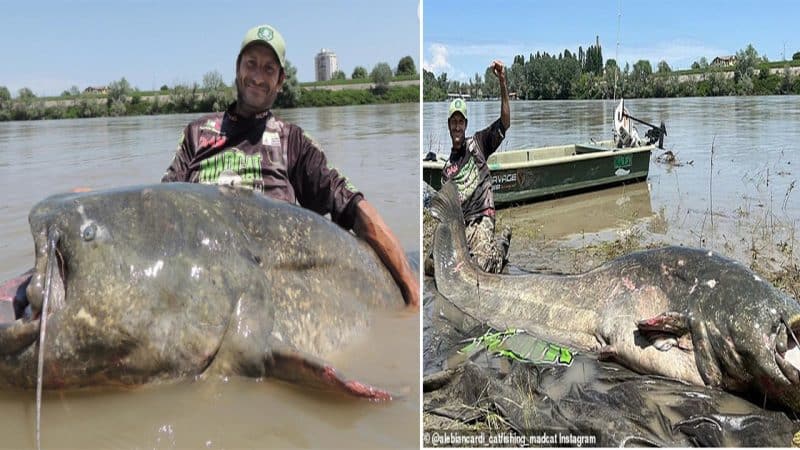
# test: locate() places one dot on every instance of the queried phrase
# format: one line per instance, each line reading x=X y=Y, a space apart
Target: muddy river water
x=375 y=146
x=732 y=189
x=736 y=179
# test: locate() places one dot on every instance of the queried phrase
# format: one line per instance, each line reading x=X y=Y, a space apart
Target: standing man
x=467 y=168
x=248 y=146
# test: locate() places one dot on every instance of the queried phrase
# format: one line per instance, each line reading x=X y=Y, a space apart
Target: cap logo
x=458 y=103
x=265 y=33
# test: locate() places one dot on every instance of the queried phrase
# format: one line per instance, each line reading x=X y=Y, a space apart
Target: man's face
x=259 y=78
x=458 y=127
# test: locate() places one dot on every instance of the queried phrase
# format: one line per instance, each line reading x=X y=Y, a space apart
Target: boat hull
x=531 y=174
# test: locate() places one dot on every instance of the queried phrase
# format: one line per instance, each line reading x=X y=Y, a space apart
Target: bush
x=359 y=73
x=406 y=66
x=322 y=97
x=402 y=94
x=381 y=75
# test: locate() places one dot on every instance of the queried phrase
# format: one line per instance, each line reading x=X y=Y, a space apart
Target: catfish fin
x=296 y=367
x=666 y=330
x=671 y=322
x=446 y=206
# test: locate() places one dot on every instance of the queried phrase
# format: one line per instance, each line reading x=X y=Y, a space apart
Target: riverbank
x=550 y=78
x=184 y=99
x=370 y=144
x=573 y=235
x=731 y=190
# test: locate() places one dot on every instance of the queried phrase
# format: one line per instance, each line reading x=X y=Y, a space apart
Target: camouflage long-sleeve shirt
x=468 y=169
x=268 y=155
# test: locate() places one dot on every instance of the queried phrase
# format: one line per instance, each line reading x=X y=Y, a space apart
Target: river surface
x=376 y=146
x=740 y=161
x=748 y=181
x=734 y=192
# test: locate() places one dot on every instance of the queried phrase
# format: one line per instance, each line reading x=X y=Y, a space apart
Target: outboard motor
x=625 y=135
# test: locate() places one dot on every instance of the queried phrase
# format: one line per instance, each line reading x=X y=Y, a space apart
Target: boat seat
x=509 y=158
x=589 y=148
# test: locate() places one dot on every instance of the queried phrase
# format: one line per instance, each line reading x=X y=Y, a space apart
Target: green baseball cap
x=267 y=35
x=457 y=105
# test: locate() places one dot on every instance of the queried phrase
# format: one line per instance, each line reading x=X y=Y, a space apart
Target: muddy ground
x=558 y=236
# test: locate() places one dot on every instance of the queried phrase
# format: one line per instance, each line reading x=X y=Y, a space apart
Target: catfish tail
x=450 y=240
x=446 y=207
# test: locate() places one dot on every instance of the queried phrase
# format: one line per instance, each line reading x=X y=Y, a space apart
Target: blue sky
x=462 y=38
x=49 y=46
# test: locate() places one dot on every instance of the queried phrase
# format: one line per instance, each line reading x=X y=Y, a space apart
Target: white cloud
x=462 y=76
x=483 y=54
x=438 y=62
x=490 y=51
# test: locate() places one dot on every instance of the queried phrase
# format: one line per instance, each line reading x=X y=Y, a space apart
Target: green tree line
x=213 y=94
x=585 y=75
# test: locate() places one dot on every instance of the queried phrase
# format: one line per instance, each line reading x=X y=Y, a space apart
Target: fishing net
x=491 y=381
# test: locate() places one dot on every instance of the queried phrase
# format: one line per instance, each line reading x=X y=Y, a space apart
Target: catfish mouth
x=45 y=293
x=787 y=349
x=54 y=281
x=47 y=285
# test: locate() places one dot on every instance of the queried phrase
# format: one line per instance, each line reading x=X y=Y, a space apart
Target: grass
x=627 y=241
x=710 y=69
x=769 y=65
x=781 y=64
x=760 y=232
x=697 y=71
x=309 y=84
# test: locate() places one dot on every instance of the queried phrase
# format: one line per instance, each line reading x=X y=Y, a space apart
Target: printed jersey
x=268 y=155
x=467 y=168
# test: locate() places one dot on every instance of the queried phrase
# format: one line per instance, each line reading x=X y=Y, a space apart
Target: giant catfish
x=683 y=313
x=184 y=280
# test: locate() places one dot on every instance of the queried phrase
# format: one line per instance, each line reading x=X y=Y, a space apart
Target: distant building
x=724 y=61
x=96 y=90
x=325 y=64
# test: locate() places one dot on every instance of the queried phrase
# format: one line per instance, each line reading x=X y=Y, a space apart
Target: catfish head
x=761 y=348
x=107 y=265
x=178 y=280
x=744 y=334
x=51 y=230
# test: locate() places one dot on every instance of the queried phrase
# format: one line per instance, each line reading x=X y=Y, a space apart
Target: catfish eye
x=89 y=232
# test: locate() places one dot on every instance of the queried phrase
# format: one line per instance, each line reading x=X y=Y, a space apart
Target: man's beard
x=240 y=99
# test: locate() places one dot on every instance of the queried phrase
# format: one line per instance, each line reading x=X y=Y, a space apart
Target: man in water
x=467 y=168
x=248 y=146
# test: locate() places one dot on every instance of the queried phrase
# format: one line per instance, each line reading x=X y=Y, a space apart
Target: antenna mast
x=616 y=56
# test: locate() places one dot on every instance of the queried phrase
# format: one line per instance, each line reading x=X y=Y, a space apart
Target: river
x=733 y=191
x=376 y=146
x=737 y=181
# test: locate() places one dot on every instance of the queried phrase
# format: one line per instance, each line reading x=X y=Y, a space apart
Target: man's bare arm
x=370 y=226
x=505 y=110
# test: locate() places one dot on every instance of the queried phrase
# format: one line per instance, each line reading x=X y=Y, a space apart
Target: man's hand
x=499 y=70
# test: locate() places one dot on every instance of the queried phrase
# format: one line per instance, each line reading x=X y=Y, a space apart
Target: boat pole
x=616 y=55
